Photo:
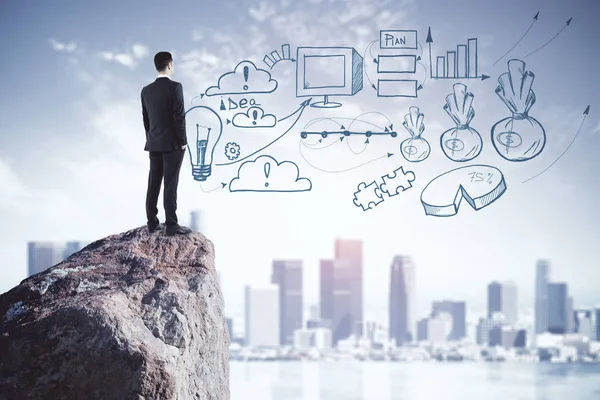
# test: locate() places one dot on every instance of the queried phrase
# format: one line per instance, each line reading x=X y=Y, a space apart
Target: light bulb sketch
x=203 y=128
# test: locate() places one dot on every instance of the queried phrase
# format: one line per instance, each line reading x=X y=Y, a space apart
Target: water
x=414 y=381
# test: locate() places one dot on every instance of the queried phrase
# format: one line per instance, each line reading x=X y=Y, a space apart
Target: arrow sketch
x=553 y=37
x=585 y=114
x=519 y=41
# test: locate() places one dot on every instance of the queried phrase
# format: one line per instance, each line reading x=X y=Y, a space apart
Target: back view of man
x=166 y=141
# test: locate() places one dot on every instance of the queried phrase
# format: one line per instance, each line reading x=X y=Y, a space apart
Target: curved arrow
x=360 y=152
x=318 y=148
x=201 y=95
x=314 y=121
x=368 y=48
x=223 y=184
x=388 y=155
x=298 y=114
x=553 y=37
x=585 y=114
x=519 y=41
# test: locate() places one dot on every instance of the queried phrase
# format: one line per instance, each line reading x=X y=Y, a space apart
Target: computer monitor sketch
x=328 y=71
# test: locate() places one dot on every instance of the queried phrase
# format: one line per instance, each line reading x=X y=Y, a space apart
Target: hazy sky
x=72 y=165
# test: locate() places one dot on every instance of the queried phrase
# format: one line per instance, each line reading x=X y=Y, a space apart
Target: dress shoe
x=177 y=230
x=158 y=227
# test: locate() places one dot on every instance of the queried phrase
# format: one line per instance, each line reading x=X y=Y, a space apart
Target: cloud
x=139 y=51
x=263 y=12
x=63 y=47
x=255 y=117
x=246 y=78
x=128 y=59
x=265 y=174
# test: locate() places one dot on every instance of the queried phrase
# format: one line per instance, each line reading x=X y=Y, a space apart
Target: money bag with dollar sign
x=461 y=143
x=415 y=148
x=519 y=137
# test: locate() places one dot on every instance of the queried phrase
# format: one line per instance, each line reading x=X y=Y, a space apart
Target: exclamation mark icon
x=255 y=116
x=246 y=72
x=267 y=172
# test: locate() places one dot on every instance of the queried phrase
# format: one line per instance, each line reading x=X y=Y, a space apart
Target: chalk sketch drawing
x=367 y=196
x=265 y=174
x=461 y=143
x=479 y=185
x=415 y=148
x=518 y=137
x=254 y=117
x=246 y=78
x=328 y=71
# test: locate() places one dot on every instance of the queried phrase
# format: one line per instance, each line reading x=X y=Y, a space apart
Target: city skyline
x=447 y=319
x=443 y=304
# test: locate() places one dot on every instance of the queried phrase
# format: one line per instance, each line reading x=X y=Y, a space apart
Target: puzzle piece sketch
x=367 y=195
x=397 y=180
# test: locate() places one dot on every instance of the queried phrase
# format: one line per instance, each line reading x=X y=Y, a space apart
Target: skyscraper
x=326 y=290
x=43 y=255
x=262 y=316
x=457 y=310
x=71 y=248
x=341 y=290
x=287 y=274
x=402 y=300
x=558 y=308
x=502 y=298
x=542 y=278
x=570 y=316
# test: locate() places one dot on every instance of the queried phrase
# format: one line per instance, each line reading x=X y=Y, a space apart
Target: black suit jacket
x=164 y=115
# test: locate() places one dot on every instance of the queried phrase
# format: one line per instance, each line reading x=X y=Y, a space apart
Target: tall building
x=197 y=221
x=485 y=326
x=348 y=273
x=43 y=255
x=422 y=329
x=71 y=248
x=457 y=310
x=287 y=275
x=326 y=290
x=402 y=320
x=583 y=321
x=262 y=316
x=502 y=298
x=542 y=278
x=341 y=290
x=558 y=308
x=570 y=316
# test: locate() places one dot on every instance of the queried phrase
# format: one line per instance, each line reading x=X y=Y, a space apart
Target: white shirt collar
x=164 y=76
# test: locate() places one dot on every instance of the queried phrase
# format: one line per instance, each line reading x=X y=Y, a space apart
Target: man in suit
x=164 y=121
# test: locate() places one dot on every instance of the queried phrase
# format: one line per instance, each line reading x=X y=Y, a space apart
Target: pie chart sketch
x=479 y=185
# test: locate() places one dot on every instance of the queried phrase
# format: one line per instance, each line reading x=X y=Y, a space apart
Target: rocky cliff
x=136 y=315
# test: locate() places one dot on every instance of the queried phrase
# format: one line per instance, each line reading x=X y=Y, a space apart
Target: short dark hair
x=162 y=59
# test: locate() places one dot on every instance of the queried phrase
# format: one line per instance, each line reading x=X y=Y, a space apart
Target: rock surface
x=136 y=315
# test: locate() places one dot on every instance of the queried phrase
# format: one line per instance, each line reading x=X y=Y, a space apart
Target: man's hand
x=183 y=147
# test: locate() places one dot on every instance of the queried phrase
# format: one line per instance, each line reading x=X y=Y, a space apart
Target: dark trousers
x=163 y=165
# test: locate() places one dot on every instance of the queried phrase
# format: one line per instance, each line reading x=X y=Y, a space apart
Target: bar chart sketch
x=274 y=57
x=460 y=62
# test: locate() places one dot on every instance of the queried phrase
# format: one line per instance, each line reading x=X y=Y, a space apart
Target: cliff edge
x=136 y=315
